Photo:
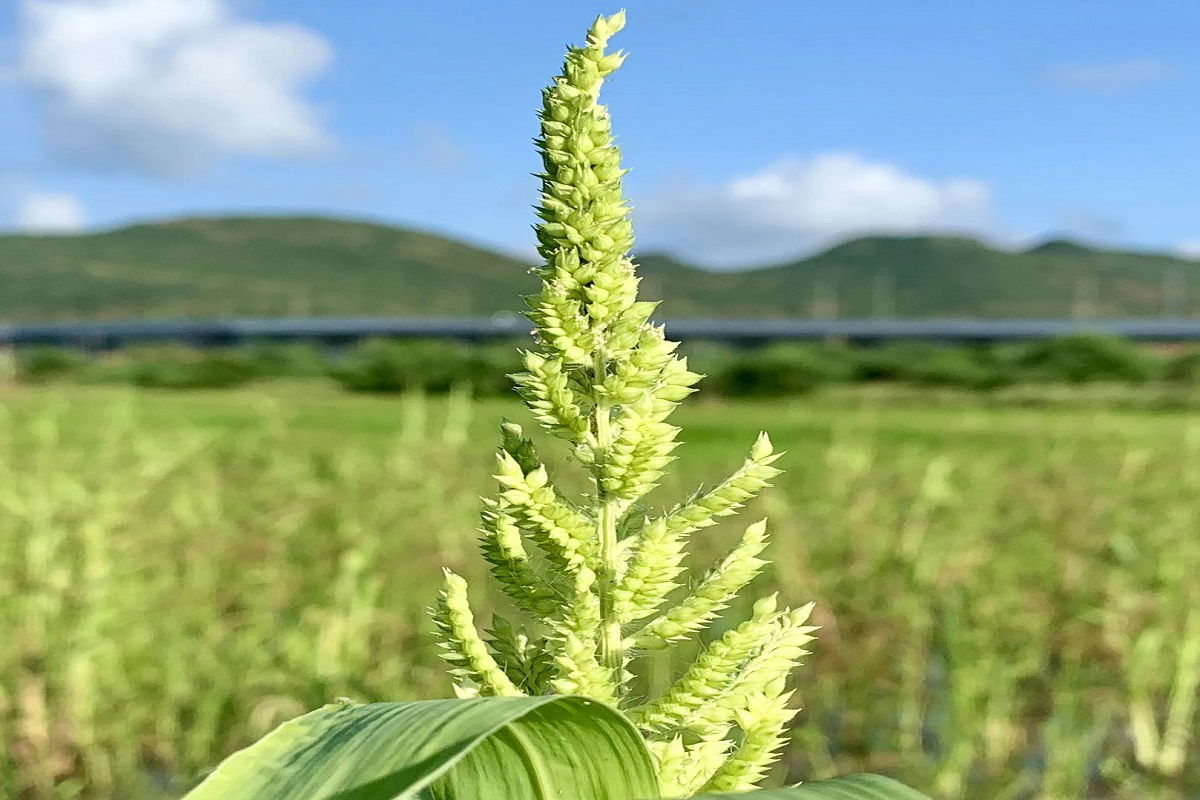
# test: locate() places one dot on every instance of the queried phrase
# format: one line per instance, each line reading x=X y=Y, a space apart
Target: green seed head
x=594 y=574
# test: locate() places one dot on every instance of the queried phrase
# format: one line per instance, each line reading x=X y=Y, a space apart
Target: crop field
x=1007 y=596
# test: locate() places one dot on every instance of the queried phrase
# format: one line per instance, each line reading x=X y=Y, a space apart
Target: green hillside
x=317 y=266
x=253 y=266
x=937 y=277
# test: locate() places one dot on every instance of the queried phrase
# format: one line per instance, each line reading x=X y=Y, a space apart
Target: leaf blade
x=526 y=748
x=853 y=787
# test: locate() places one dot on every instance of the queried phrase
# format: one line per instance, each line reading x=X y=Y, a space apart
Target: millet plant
x=601 y=581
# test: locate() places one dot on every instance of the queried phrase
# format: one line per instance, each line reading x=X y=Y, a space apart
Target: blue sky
x=756 y=130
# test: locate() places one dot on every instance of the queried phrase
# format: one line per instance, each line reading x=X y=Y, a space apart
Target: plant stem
x=606 y=532
x=1182 y=706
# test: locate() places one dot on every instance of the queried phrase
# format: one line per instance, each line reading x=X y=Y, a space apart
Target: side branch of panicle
x=471 y=664
x=729 y=495
x=718 y=587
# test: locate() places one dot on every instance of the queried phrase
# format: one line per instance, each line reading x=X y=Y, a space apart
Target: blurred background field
x=1093 y=363
x=1004 y=592
x=199 y=541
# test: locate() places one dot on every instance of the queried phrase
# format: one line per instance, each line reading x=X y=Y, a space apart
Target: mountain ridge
x=207 y=266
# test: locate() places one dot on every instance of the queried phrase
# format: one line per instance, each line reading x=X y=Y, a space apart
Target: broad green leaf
x=854 y=787
x=506 y=748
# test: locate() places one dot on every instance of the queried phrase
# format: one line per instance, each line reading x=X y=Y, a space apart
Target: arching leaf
x=501 y=748
x=854 y=787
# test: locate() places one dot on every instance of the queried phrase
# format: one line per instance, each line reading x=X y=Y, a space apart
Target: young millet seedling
x=598 y=579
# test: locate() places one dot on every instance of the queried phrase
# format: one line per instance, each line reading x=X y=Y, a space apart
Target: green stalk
x=611 y=650
x=1178 y=729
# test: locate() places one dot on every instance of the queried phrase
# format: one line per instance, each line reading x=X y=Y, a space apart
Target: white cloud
x=1111 y=76
x=49 y=212
x=165 y=86
x=797 y=204
x=1189 y=248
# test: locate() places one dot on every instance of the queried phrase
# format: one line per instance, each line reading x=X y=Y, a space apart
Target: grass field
x=1004 y=593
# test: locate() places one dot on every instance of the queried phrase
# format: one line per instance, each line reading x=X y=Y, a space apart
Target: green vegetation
x=779 y=370
x=292 y=266
x=430 y=366
x=173 y=366
x=1085 y=359
x=1003 y=594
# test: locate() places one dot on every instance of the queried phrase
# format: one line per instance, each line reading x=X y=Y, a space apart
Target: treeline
x=772 y=370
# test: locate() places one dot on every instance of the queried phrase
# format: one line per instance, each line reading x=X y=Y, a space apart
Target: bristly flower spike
x=593 y=575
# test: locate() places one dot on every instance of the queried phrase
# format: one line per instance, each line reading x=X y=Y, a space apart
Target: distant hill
x=280 y=266
x=928 y=276
x=269 y=266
